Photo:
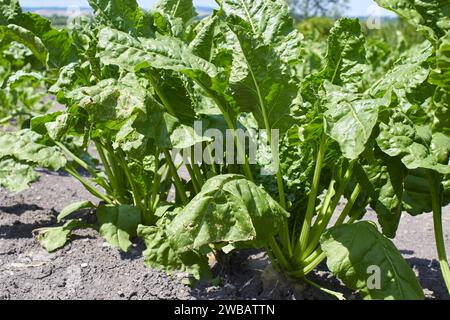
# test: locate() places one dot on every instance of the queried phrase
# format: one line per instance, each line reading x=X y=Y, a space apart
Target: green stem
x=279 y=254
x=193 y=178
x=213 y=163
x=105 y=162
x=5 y=119
x=304 y=234
x=134 y=188
x=322 y=216
x=176 y=178
x=280 y=186
x=438 y=230
x=156 y=184
x=349 y=206
x=87 y=185
x=336 y=294
x=112 y=179
x=322 y=220
x=232 y=126
x=113 y=160
x=328 y=210
x=198 y=174
x=79 y=161
x=313 y=262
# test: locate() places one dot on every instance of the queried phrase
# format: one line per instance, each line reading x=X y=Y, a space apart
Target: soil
x=88 y=268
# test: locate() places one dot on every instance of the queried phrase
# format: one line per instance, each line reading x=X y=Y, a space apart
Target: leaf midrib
x=247 y=12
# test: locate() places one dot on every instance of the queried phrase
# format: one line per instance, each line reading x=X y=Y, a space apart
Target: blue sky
x=357 y=7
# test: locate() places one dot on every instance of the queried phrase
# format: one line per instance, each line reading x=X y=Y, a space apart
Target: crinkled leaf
x=183 y=9
x=21 y=77
x=400 y=137
x=9 y=11
x=382 y=178
x=202 y=44
x=229 y=210
x=110 y=100
x=270 y=21
x=16 y=176
x=163 y=53
x=440 y=76
x=24 y=145
x=124 y=15
x=352 y=249
x=350 y=119
x=346 y=55
x=161 y=254
x=407 y=74
x=158 y=126
x=260 y=81
x=432 y=17
x=14 y=32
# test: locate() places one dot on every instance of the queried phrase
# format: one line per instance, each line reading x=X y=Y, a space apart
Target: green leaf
x=118 y=224
x=38 y=123
x=407 y=74
x=124 y=15
x=441 y=75
x=400 y=137
x=61 y=48
x=228 y=210
x=14 y=32
x=417 y=195
x=24 y=146
x=183 y=9
x=353 y=249
x=162 y=255
x=110 y=101
x=164 y=129
x=49 y=45
x=439 y=110
x=16 y=176
x=9 y=11
x=54 y=238
x=383 y=182
x=346 y=55
x=350 y=119
x=260 y=82
x=21 y=77
x=163 y=53
x=432 y=17
x=71 y=208
x=202 y=44
x=270 y=21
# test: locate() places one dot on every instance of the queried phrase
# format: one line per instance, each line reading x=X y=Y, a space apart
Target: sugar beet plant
x=135 y=83
x=22 y=82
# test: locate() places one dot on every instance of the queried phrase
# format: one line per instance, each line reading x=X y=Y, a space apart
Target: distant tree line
x=58 y=20
x=304 y=9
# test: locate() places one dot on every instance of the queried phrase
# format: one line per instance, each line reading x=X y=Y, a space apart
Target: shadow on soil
x=18 y=209
x=19 y=230
x=430 y=277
